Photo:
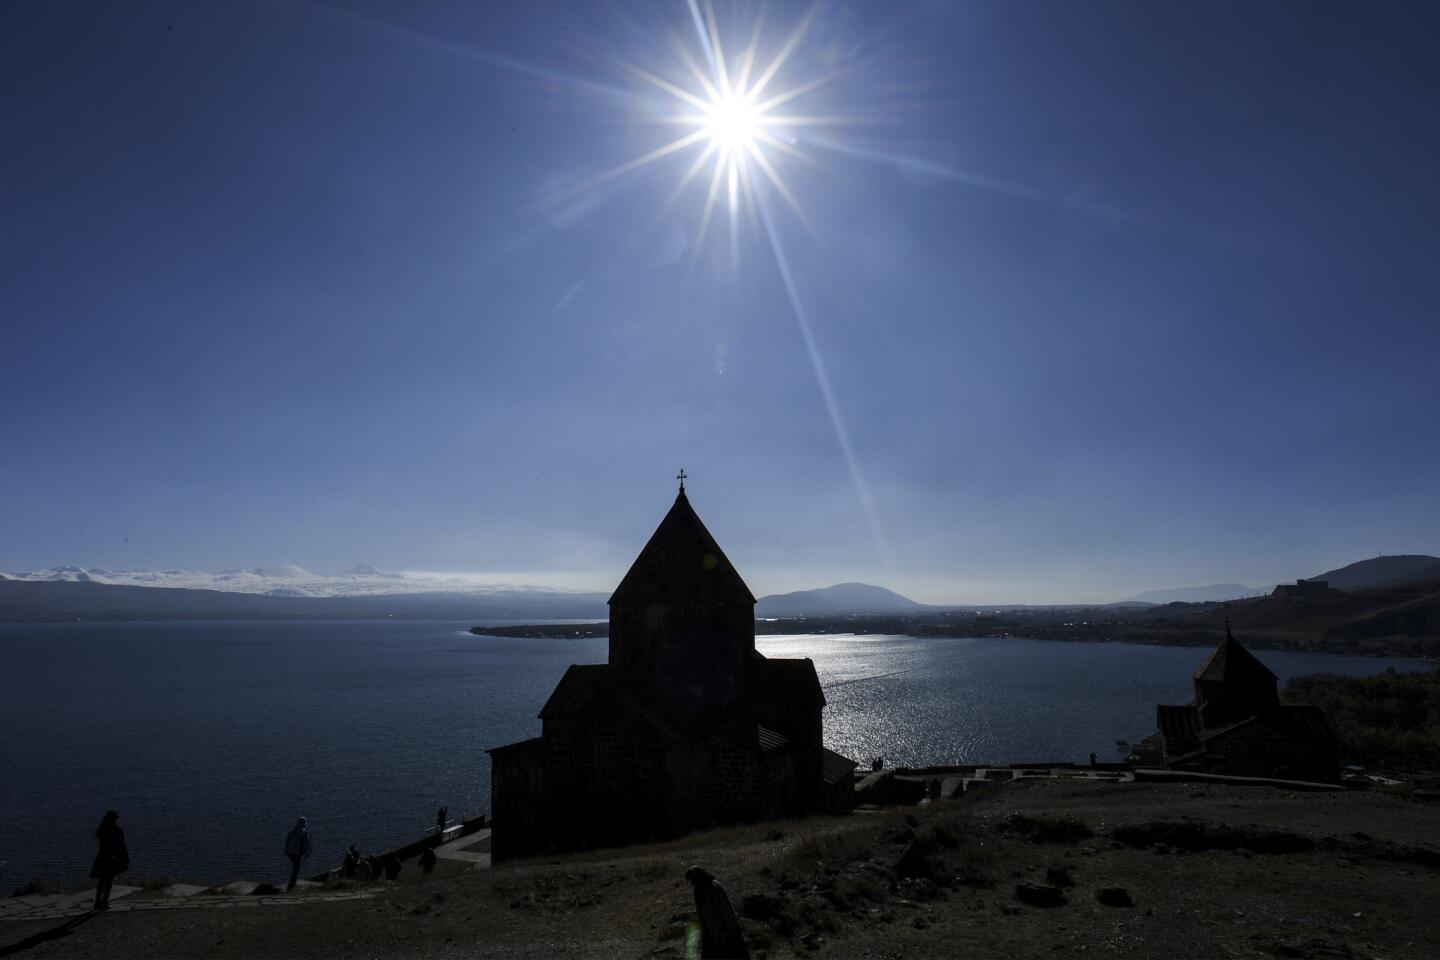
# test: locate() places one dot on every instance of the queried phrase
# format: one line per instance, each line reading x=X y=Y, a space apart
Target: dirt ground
x=1212 y=871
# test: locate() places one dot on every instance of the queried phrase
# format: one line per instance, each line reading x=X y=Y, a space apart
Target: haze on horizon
x=1035 y=303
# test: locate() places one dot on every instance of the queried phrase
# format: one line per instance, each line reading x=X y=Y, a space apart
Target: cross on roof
x=681 y=477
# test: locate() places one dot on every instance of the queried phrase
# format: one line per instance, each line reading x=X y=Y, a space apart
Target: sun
x=732 y=123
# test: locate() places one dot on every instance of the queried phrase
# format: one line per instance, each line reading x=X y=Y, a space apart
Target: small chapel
x=1237 y=725
x=687 y=726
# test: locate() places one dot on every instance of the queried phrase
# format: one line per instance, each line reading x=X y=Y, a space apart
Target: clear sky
x=1066 y=300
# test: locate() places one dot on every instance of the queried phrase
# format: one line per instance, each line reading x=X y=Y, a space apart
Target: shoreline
x=887 y=626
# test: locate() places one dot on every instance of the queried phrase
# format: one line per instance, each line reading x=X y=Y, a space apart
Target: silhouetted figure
x=427 y=860
x=366 y=870
x=391 y=863
x=297 y=848
x=1092 y=759
x=440 y=819
x=351 y=864
x=112 y=858
x=720 y=936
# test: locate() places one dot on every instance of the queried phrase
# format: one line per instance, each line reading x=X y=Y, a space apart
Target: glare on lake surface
x=211 y=738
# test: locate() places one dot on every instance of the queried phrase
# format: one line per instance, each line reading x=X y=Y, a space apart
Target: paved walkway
x=234 y=895
x=461 y=849
x=181 y=896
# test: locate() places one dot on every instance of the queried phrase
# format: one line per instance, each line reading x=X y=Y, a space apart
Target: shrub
x=1389 y=719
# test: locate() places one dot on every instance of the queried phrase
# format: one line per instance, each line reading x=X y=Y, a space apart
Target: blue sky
x=1087 y=298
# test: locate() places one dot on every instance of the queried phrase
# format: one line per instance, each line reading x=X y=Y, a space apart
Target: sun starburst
x=735 y=127
x=732 y=123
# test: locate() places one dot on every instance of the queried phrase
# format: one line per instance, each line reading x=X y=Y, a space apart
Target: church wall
x=797 y=717
x=1258 y=750
x=838 y=797
x=1225 y=701
x=719 y=783
x=696 y=654
x=517 y=777
x=609 y=760
x=791 y=705
x=572 y=791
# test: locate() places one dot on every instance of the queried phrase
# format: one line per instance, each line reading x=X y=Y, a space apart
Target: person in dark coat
x=113 y=858
x=391 y=863
x=720 y=934
x=351 y=864
x=427 y=860
x=297 y=848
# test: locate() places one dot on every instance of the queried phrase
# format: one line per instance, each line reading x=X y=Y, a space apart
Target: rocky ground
x=1202 y=871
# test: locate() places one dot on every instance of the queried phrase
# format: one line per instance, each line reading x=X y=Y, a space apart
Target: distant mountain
x=31 y=601
x=1215 y=591
x=66 y=575
x=365 y=570
x=837 y=600
x=283 y=571
x=1382 y=571
x=287 y=580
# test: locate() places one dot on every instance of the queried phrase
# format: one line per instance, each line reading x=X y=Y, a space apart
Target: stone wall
x=720 y=783
x=517 y=775
x=696 y=655
x=1259 y=750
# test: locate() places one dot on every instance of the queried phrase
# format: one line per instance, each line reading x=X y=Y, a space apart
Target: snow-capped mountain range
x=286 y=580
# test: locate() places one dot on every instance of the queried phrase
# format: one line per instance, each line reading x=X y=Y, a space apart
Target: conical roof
x=1232 y=663
x=681 y=565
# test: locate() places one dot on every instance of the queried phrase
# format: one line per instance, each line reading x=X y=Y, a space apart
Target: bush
x=1387 y=720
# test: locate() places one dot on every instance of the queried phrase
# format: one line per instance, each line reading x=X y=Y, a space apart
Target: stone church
x=686 y=727
x=1237 y=725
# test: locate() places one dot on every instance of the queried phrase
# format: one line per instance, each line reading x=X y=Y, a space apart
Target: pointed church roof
x=681 y=565
x=1231 y=662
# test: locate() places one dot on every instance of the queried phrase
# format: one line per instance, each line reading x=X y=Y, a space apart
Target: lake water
x=211 y=738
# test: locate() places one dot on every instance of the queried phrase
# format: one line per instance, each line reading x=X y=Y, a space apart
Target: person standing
x=441 y=816
x=297 y=848
x=351 y=866
x=720 y=935
x=113 y=858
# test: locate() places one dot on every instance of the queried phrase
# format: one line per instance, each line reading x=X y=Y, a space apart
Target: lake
x=211 y=738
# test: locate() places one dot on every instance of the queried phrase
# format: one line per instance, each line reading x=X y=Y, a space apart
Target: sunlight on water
x=964 y=700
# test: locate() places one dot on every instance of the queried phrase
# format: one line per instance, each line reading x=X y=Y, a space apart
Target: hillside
x=1213 y=870
x=1381 y=571
x=1406 y=613
x=840 y=599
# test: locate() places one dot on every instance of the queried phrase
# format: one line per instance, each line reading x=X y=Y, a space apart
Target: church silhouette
x=686 y=727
